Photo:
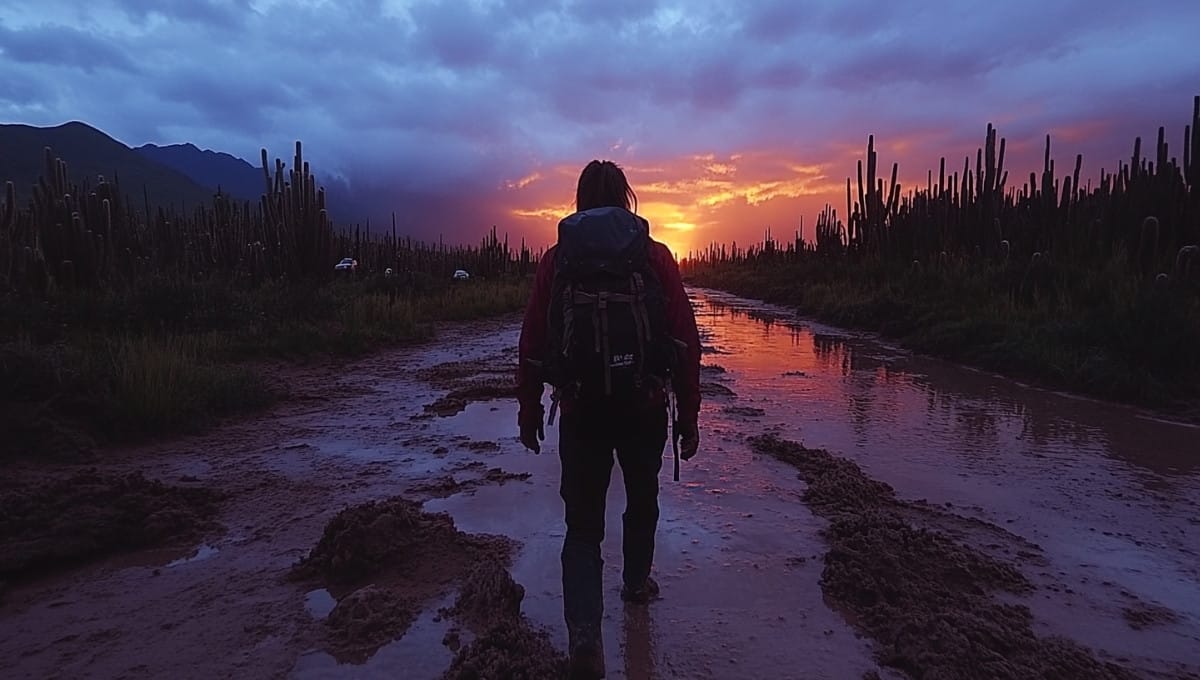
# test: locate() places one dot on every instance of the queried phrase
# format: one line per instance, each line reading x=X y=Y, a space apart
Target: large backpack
x=607 y=326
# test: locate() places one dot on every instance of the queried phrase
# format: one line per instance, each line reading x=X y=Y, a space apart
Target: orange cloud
x=524 y=181
x=693 y=200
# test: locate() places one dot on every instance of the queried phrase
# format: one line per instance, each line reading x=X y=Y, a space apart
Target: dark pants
x=587 y=439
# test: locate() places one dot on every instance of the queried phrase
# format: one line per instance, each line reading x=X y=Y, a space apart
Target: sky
x=729 y=117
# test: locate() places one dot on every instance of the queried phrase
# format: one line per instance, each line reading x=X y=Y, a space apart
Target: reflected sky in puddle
x=203 y=552
x=1057 y=469
x=740 y=554
x=419 y=655
x=318 y=603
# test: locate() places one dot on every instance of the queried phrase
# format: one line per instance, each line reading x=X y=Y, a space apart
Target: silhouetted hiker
x=610 y=329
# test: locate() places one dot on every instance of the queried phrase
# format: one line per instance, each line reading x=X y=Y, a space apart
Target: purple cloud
x=62 y=46
x=430 y=107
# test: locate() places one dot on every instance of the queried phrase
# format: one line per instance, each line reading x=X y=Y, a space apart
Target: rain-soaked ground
x=1096 y=504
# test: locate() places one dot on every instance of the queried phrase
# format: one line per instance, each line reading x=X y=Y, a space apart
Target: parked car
x=348 y=264
x=461 y=275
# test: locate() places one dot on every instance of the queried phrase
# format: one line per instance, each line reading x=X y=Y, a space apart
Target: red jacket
x=681 y=324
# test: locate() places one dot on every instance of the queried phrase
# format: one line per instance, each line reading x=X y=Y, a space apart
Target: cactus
x=10 y=208
x=1148 y=242
x=1185 y=262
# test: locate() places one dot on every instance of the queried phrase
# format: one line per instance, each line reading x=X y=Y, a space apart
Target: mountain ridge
x=91 y=153
x=218 y=169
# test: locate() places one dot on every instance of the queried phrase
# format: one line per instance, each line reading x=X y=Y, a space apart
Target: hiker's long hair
x=602 y=184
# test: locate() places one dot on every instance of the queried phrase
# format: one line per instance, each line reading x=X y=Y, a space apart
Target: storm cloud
x=460 y=115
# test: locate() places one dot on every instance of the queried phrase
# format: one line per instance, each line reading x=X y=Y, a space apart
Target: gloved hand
x=533 y=432
x=689 y=438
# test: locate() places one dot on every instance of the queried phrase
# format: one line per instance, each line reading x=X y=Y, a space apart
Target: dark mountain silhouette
x=238 y=178
x=231 y=174
x=89 y=154
x=180 y=175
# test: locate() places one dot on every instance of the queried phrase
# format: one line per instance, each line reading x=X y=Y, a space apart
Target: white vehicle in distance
x=348 y=264
x=461 y=275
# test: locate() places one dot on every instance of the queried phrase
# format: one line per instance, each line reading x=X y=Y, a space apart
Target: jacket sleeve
x=681 y=322
x=533 y=343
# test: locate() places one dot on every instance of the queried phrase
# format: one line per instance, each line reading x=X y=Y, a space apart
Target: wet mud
x=395 y=539
x=744 y=411
x=49 y=526
x=933 y=605
x=1143 y=615
x=715 y=390
x=507 y=645
x=1021 y=502
x=412 y=557
x=368 y=619
x=516 y=652
x=447 y=485
x=485 y=379
x=483 y=446
x=488 y=596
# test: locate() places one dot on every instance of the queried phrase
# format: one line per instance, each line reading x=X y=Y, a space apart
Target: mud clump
x=488 y=597
x=835 y=485
x=1142 y=616
x=367 y=619
x=514 y=653
x=68 y=522
x=928 y=601
x=712 y=389
x=478 y=446
x=450 y=374
x=486 y=379
x=745 y=411
x=393 y=536
x=446 y=485
x=402 y=558
x=479 y=390
x=507 y=646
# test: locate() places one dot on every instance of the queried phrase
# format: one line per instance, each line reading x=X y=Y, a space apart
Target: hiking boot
x=587 y=661
x=641 y=594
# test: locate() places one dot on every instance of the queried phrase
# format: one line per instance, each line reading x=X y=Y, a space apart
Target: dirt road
x=1037 y=496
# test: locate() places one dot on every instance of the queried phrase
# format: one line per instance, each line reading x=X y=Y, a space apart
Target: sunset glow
x=694 y=200
x=730 y=118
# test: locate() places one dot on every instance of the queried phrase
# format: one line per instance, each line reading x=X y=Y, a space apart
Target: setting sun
x=694 y=200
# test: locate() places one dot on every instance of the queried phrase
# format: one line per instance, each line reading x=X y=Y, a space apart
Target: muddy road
x=1075 y=523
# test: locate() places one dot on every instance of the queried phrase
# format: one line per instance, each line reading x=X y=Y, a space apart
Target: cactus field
x=1085 y=284
x=121 y=319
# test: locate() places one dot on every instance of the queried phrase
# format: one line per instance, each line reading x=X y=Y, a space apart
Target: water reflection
x=872 y=387
x=1099 y=487
x=639 y=644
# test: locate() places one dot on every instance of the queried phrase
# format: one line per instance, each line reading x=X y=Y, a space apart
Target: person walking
x=610 y=328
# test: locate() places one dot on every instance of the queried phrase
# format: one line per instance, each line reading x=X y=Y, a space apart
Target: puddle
x=318 y=603
x=419 y=655
x=740 y=557
x=1110 y=494
x=730 y=595
x=203 y=552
